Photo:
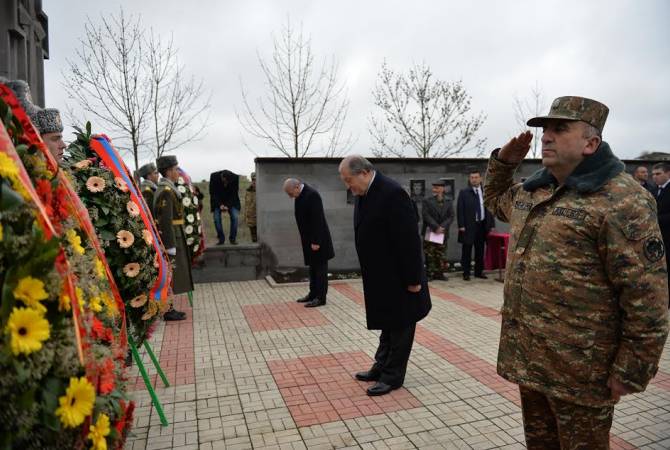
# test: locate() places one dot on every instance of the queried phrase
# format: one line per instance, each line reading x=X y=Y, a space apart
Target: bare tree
x=133 y=86
x=525 y=108
x=431 y=117
x=179 y=110
x=304 y=106
x=107 y=79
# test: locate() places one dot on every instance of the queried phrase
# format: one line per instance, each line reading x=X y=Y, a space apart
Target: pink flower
x=95 y=184
x=132 y=208
x=120 y=184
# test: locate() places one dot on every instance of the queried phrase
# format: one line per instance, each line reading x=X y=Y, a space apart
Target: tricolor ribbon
x=108 y=154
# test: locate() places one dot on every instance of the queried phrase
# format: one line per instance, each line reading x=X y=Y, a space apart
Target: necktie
x=478 y=216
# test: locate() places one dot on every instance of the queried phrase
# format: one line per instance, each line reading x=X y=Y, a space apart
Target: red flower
x=125 y=421
x=106 y=377
x=100 y=332
x=43 y=189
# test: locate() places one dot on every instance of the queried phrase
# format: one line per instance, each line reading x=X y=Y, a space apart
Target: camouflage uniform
x=250 y=211
x=585 y=293
x=437 y=214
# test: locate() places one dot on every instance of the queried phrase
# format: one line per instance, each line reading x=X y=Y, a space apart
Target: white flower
x=196 y=247
x=197 y=214
x=189 y=229
x=181 y=189
x=180 y=180
x=199 y=229
x=186 y=201
x=190 y=218
x=195 y=201
x=190 y=240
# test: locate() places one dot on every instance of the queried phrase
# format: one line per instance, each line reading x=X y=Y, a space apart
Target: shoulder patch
x=654 y=249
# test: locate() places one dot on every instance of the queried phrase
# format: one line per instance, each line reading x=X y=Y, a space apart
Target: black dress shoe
x=314 y=303
x=173 y=315
x=481 y=275
x=380 y=388
x=367 y=376
x=466 y=277
x=304 y=299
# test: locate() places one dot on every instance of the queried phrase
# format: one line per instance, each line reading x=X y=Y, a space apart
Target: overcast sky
x=615 y=51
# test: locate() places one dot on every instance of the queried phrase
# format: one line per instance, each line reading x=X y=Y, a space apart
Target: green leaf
x=107 y=235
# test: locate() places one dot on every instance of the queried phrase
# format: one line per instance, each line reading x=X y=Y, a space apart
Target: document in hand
x=431 y=236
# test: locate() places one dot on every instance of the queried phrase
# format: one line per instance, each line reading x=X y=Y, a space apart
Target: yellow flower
x=80 y=298
x=77 y=403
x=64 y=302
x=95 y=184
x=30 y=291
x=110 y=303
x=125 y=238
x=28 y=329
x=8 y=167
x=152 y=310
x=99 y=268
x=98 y=432
x=75 y=241
x=95 y=303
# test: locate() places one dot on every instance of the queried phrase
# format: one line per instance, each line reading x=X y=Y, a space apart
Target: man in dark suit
x=317 y=246
x=474 y=224
x=224 y=197
x=641 y=174
x=661 y=175
x=394 y=280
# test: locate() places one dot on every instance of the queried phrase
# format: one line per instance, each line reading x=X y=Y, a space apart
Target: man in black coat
x=223 y=190
x=317 y=246
x=394 y=279
x=661 y=175
x=641 y=174
x=474 y=224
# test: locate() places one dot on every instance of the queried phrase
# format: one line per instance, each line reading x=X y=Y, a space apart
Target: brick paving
x=250 y=368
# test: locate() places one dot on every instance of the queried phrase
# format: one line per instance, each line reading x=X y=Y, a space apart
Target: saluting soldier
x=438 y=214
x=148 y=185
x=585 y=312
x=169 y=216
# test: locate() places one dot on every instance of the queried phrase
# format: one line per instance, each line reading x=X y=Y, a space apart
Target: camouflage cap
x=575 y=108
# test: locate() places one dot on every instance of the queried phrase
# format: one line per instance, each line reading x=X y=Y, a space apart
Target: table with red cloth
x=495 y=257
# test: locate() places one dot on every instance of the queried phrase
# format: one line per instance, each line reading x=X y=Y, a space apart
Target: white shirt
x=660 y=188
x=480 y=194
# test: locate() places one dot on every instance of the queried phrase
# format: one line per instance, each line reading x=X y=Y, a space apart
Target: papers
x=431 y=236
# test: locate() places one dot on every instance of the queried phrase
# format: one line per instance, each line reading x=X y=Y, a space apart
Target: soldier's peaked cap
x=146 y=169
x=575 y=108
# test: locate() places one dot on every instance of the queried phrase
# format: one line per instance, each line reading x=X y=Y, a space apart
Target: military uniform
x=585 y=292
x=437 y=213
x=169 y=215
x=250 y=210
x=148 y=189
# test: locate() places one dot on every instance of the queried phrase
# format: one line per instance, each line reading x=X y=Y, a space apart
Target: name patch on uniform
x=576 y=214
x=654 y=249
x=526 y=206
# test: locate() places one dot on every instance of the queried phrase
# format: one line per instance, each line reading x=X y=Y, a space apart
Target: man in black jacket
x=223 y=190
x=394 y=280
x=474 y=224
x=661 y=175
x=317 y=246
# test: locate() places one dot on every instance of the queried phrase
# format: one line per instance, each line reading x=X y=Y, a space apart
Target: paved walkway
x=250 y=368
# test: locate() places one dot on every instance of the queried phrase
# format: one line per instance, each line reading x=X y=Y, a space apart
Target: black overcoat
x=390 y=255
x=663 y=205
x=312 y=226
x=466 y=212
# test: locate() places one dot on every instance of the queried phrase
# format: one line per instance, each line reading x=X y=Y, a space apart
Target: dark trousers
x=318 y=280
x=393 y=355
x=466 y=253
x=553 y=424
